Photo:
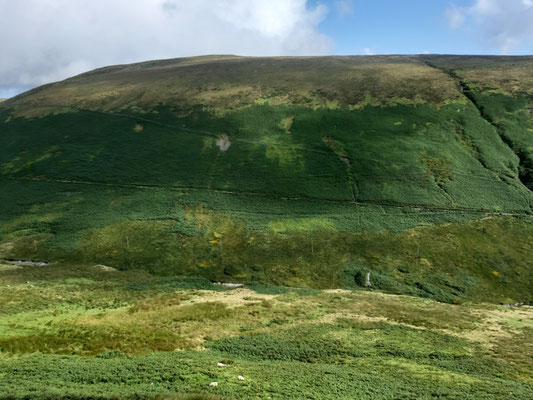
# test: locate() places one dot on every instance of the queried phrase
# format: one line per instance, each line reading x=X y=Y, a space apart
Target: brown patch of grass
x=232 y=83
x=496 y=324
x=507 y=75
x=286 y=124
x=231 y=298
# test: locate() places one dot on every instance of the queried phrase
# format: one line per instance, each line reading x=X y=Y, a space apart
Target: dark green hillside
x=502 y=90
x=294 y=171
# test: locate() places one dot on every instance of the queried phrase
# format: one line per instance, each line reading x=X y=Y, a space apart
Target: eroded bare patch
x=223 y=142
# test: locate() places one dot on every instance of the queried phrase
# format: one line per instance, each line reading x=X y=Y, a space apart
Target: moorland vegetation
x=376 y=210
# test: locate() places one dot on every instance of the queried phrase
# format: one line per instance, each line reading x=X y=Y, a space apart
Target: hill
x=305 y=171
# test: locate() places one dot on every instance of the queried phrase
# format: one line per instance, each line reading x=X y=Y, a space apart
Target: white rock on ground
x=227 y=284
x=213 y=384
x=241 y=378
x=221 y=364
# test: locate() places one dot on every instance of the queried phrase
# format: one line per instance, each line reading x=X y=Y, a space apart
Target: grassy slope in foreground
x=91 y=332
x=324 y=151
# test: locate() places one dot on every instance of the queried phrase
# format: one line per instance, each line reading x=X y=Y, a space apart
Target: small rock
x=512 y=304
x=241 y=378
x=228 y=284
x=105 y=268
x=213 y=384
x=221 y=364
x=27 y=281
x=223 y=142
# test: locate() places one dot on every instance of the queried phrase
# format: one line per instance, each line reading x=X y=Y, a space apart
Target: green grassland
x=85 y=332
x=377 y=209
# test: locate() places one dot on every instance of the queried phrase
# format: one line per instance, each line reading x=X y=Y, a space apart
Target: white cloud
x=505 y=25
x=455 y=16
x=368 y=51
x=48 y=40
x=345 y=7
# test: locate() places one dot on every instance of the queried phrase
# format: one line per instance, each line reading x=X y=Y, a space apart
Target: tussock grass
x=499 y=74
x=224 y=84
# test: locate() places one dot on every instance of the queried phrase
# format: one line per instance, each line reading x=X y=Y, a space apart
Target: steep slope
x=502 y=89
x=301 y=171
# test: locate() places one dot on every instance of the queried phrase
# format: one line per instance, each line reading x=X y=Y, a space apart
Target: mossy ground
x=84 y=332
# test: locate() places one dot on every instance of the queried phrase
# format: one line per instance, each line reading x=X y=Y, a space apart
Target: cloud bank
x=48 y=40
x=503 y=24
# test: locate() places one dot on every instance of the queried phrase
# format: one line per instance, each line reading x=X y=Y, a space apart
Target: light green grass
x=82 y=332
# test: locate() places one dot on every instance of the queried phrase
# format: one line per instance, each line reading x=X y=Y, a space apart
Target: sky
x=43 y=41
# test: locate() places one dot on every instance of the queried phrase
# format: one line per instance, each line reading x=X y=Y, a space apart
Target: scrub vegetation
x=376 y=210
x=72 y=331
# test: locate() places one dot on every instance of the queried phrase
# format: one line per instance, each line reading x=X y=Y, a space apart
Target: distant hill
x=305 y=171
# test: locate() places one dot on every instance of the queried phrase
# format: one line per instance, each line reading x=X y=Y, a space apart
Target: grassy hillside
x=88 y=332
x=221 y=84
x=502 y=89
x=282 y=170
x=374 y=210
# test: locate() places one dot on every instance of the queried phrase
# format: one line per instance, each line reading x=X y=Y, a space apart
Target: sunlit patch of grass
x=516 y=350
x=260 y=332
x=233 y=83
x=497 y=74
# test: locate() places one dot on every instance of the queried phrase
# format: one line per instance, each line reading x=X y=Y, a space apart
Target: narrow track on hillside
x=294 y=147
x=355 y=201
x=413 y=207
x=183 y=128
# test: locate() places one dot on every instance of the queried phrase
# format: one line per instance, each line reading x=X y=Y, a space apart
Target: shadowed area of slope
x=412 y=156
